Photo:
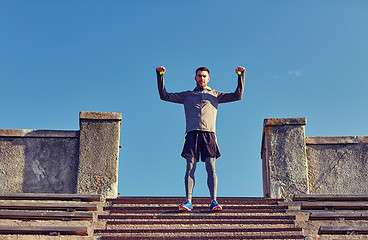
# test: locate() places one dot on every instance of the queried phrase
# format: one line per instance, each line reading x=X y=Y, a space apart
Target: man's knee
x=210 y=165
x=191 y=164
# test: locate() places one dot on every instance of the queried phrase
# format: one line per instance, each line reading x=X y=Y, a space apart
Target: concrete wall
x=294 y=163
x=28 y=159
x=49 y=161
x=338 y=165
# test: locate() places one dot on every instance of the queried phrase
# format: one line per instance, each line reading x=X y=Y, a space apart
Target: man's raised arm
x=160 y=82
x=241 y=81
x=164 y=95
x=238 y=94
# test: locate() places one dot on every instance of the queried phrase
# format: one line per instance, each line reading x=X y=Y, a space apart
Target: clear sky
x=303 y=59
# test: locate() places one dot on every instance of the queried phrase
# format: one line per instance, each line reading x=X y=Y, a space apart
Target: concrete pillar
x=99 y=153
x=284 y=159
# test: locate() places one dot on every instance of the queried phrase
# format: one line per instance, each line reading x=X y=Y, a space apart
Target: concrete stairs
x=331 y=217
x=159 y=218
x=48 y=216
x=29 y=216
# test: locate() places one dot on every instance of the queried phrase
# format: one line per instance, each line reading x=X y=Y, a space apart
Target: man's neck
x=202 y=88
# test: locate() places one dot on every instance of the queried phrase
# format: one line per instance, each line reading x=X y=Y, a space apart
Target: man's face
x=202 y=79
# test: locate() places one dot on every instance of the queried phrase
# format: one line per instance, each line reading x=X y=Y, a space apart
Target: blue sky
x=303 y=59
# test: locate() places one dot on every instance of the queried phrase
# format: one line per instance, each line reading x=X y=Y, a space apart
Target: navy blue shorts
x=200 y=144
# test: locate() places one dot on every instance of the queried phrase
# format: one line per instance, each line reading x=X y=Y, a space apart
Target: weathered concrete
x=29 y=159
x=338 y=165
x=99 y=153
x=294 y=164
x=284 y=158
x=48 y=161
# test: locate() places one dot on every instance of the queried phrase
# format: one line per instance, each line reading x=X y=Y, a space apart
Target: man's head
x=202 y=77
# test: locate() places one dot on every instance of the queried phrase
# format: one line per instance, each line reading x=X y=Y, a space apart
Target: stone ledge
x=100 y=116
x=336 y=140
x=38 y=133
x=284 y=121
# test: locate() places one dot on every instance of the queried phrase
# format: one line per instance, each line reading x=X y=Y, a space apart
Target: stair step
x=48 y=206
x=81 y=231
x=347 y=230
x=197 y=200
x=166 y=230
x=197 y=230
x=338 y=216
x=209 y=227
x=329 y=197
x=273 y=211
x=170 y=210
x=39 y=215
x=227 y=207
x=196 y=216
x=50 y=196
x=207 y=238
x=204 y=236
x=341 y=205
x=197 y=222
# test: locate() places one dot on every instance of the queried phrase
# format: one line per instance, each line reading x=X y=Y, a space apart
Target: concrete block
x=99 y=153
x=284 y=158
x=338 y=165
x=38 y=161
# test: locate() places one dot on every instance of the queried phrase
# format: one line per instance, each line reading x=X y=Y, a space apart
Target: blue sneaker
x=215 y=206
x=186 y=206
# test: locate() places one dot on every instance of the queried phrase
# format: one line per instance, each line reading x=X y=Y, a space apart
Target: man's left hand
x=239 y=69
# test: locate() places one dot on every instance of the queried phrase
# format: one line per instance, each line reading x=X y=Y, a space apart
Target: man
x=200 y=107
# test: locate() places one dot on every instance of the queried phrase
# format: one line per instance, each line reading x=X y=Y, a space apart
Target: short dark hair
x=202 y=69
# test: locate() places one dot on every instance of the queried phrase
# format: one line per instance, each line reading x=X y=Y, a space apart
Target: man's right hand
x=239 y=69
x=161 y=69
